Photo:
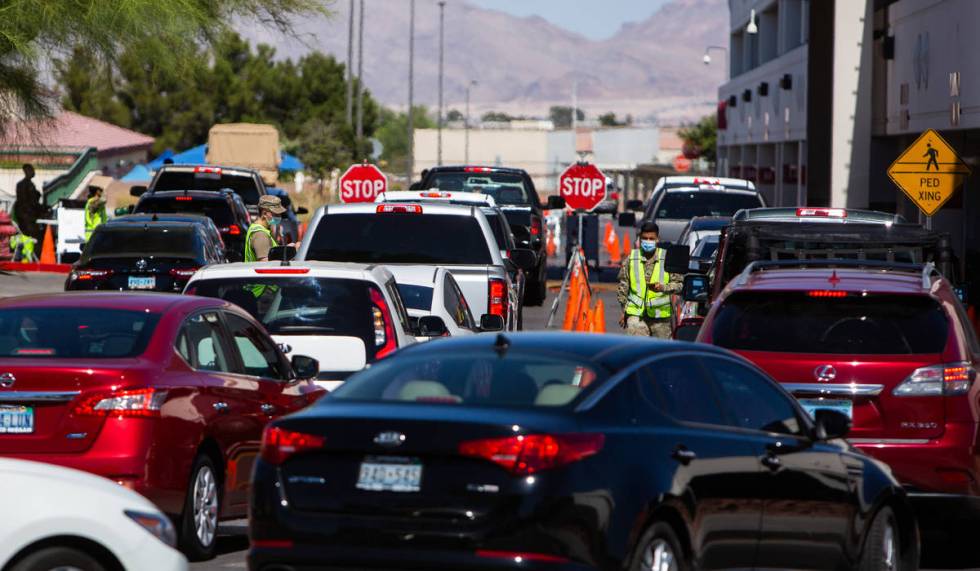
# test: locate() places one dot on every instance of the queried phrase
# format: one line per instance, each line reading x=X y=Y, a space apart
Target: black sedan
x=562 y=451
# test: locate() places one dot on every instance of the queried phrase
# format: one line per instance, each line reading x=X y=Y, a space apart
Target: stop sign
x=362 y=183
x=583 y=186
x=682 y=163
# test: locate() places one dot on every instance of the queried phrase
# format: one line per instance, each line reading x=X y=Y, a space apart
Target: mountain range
x=651 y=69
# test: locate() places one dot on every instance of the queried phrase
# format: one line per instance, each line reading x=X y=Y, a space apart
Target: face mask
x=275 y=222
x=648 y=245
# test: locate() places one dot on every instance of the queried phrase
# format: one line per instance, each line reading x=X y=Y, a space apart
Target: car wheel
x=659 y=550
x=882 y=547
x=199 y=522
x=58 y=558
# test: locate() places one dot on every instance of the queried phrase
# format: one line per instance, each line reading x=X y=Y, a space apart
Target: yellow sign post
x=929 y=172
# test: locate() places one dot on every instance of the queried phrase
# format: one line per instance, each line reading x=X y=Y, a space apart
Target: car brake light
x=535 y=226
x=821 y=212
x=278 y=444
x=399 y=209
x=85 y=275
x=207 y=170
x=233 y=230
x=521 y=556
x=436 y=195
x=477 y=169
x=937 y=380
x=827 y=293
x=528 y=454
x=182 y=272
x=384 y=328
x=184 y=198
x=127 y=403
x=284 y=270
x=497 y=298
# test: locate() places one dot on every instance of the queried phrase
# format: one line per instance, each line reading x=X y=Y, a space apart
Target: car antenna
x=501 y=345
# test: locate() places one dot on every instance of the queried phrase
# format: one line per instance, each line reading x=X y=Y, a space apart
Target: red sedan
x=167 y=395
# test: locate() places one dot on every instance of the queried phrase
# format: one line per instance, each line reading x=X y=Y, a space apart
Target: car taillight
x=477 y=169
x=182 y=273
x=232 y=230
x=86 y=275
x=384 y=327
x=132 y=403
x=282 y=271
x=937 y=380
x=821 y=212
x=398 y=209
x=827 y=293
x=497 y=298
x=527 y=454
x=184 y=198
x=278 y=444
x=535 y=226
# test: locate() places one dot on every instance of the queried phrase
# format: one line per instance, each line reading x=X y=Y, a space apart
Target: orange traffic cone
x=614 y=249
x=551 y=249
x=627 y=245
x=599 y=317
x=571 y=309
x=47 y=249
x=585 y=314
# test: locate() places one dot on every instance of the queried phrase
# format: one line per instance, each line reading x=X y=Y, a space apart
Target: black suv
x=225 y=208
x=515 y=195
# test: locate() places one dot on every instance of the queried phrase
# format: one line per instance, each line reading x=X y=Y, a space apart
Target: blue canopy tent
x=139 y=173
x=197 y=156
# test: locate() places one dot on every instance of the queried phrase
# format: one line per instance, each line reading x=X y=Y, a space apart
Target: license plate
x=385 y=475
x=142 y=283
x=16 y=420
x=844 y=407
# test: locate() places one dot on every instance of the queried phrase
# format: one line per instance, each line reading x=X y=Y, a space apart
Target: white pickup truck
x=456 y=237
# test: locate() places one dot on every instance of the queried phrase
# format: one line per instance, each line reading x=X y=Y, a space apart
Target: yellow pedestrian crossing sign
x=929 y=172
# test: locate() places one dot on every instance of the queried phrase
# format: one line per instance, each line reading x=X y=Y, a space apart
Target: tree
x=392 y=133
x=561 y=116
x=455 y=116
x=609 y=120
x=496 y=117
x=700 y=138
x=164 y=35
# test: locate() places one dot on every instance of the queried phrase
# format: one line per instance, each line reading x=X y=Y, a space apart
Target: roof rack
x=927 y=270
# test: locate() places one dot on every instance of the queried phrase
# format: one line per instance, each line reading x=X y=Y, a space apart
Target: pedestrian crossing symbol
x=929 y=172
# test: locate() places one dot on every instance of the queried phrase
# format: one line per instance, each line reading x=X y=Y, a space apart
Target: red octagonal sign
x=583 y=186
x=362 y=183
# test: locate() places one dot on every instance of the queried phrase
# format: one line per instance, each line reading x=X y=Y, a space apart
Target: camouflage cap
x=271 y=203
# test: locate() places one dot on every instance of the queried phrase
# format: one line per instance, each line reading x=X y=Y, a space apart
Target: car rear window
x=299 y=305
x=505 y=188
x=416 y=297
x=686 y=205
x=143 y=241
x=472 y=379
x=215 y=209
x=243 y=185
x=810 y=322
x=440 y=239
x=74 y=333
x=497 y=227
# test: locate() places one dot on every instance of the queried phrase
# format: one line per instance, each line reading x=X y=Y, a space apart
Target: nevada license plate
x=385 y=475
x=142 y=283
x=844 y=407
x=16 y=420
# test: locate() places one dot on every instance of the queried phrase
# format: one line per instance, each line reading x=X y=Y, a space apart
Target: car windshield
x=143 y=241
x=439 y=239
x=515 y=381
x=416 y=297
x=685 y=205
x=505 y=188
x=243 y=185
x=807 y=322
x=217 y=210
x=74 y=333
x=706 y=248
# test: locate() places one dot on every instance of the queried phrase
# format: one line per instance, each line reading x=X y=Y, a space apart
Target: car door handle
x=683 y=455
x=772 y=462
x=268 y=408
x=220 y=406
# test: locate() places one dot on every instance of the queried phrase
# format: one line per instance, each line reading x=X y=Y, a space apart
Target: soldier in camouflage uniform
x=646 y=302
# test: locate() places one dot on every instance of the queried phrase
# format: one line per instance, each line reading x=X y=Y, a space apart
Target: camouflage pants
x=645 y=327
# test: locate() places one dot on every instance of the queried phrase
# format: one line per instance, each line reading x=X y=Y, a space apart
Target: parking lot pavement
x=23 y=283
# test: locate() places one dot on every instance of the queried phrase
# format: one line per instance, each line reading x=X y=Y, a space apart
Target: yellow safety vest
x=256 y=227
x=92 y=220
x=642 y=300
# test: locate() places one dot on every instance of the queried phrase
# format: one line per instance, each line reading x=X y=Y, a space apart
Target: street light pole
x=360 y=76
x=707 y=57
x=442 y=26
x=350 y=66
x=411 y=95
x=466 y=122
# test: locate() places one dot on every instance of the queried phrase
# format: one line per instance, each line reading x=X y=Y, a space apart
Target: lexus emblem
x=825 y=373
x=141 y=264
x=389 y=439
x=7 y=380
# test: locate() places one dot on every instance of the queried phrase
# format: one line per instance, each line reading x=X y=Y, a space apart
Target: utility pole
x=466 y=122
x=411 y=95
x=350 y=66
x=360 y=77
x=442 y=28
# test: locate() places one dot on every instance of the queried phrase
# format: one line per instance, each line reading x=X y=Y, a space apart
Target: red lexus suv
x=889 y=345
x=166 y=395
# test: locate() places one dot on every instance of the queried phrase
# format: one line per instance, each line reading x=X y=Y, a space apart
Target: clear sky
x=597 y=19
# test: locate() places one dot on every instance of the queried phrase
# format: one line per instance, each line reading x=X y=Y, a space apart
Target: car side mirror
x=678 y=259
x=524 y=259
x=695 y=288
x=283 y=253
x=627 y=220
x=634 y=205
x=432 y=326
x=491 y=322
x=137 y=191
x=555 y=202
x=285 y=201
x=305 y=367
x=302 y=210
x=831 y=424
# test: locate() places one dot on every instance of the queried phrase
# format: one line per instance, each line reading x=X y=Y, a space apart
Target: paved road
x=14 y=283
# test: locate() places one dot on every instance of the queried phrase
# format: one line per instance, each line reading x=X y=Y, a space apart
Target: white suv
x=433 y=292
x=345 y=316
x=429 y=234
